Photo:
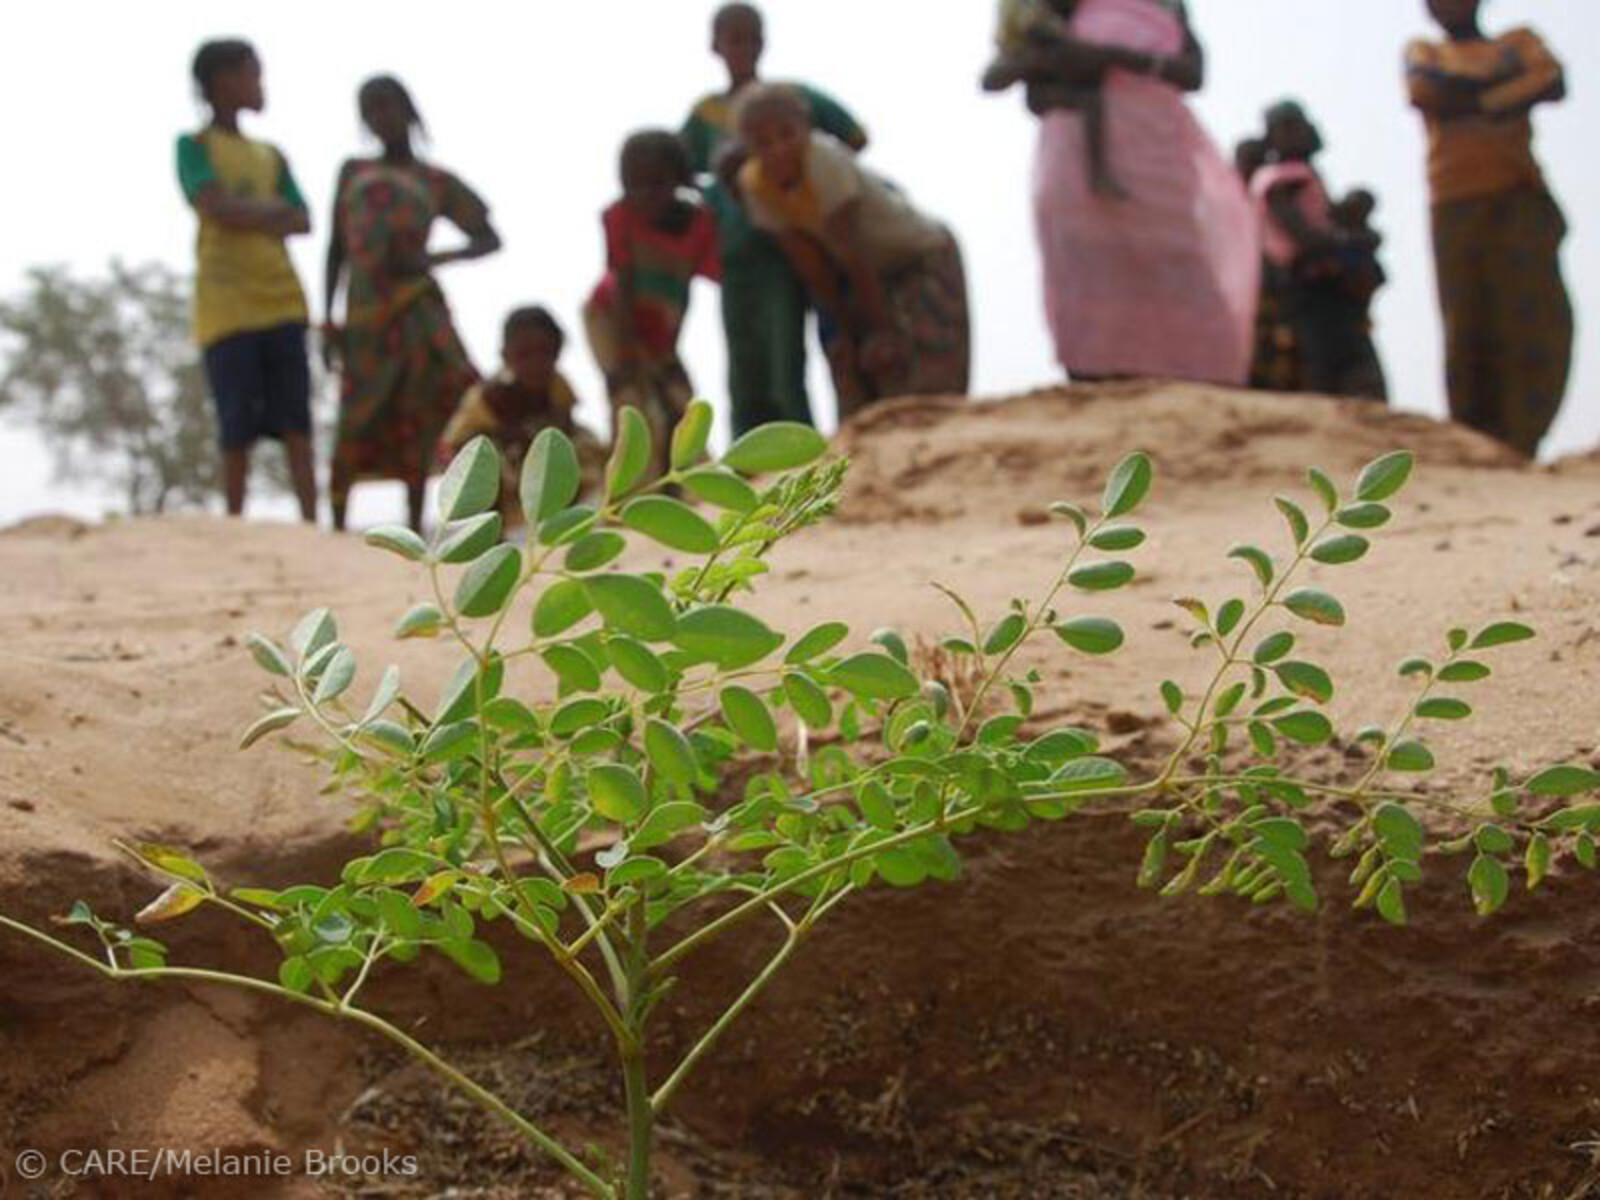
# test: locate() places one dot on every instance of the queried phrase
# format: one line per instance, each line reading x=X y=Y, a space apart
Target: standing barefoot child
x=658 y=239
x=764 y=303
x=403 y=365
x=527 y=396
x=1030 y=27
x=249 y=309
x=1497 y=230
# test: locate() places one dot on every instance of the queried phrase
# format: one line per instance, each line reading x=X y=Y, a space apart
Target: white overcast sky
x=529 y=101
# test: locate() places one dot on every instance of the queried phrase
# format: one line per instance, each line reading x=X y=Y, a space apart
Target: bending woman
x=404 y=367
x=889 y=276
x=1163 y=282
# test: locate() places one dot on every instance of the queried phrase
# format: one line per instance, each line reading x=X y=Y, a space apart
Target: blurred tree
x=105 y=369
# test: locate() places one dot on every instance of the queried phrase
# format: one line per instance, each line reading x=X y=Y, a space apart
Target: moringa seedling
x=570 y=783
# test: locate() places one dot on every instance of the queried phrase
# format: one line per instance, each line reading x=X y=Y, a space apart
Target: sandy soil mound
x=1042 y=1030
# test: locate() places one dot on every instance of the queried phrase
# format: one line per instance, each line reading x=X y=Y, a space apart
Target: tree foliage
x=104 y=368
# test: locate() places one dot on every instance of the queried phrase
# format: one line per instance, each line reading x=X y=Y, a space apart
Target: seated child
x=658 y=239
x=528 y=395
x=1029 y=24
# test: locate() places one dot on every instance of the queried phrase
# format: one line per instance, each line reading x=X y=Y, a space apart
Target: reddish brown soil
x=1040 y=1029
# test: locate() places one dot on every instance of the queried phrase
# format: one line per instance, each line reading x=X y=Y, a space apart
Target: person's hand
x=330 y=338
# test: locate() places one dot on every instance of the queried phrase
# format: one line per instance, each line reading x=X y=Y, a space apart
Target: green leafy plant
x=571 y=782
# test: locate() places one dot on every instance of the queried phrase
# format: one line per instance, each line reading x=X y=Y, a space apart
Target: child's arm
x=810 y=261
x=472 y=417
x=843 y=229
x=1538 y=78
x=332 y=273
x=278 y=216
x=619 y=261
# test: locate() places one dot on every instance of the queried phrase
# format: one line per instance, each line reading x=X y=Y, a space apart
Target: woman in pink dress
x=1164 y=280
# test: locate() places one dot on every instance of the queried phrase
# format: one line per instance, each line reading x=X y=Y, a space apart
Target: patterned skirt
x=1507 y=316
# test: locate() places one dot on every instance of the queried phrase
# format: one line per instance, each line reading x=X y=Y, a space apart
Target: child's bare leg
x=1101 y=178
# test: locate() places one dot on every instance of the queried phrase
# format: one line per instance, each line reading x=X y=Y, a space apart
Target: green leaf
x=1392 y=902
x=616 y=793
x=295 y=974
x=463 y=541
x=1384 y=477
x=1101 y=576
x=315 y=631
x=1309 y=604
x=420 y=621
x=638 y=664
x=672 y=523
x=1341 y=549
x=1260 y=562
x=1536 y=860
x=1089 y=773
x=578 y=714
x=397 y=864
x=1443 y=708
x=665 y=822
x=747 y=715
x=477 y=959
x=268 y=655
x=471 y=484
x=1323 y=487
x=550 y=477
x=460 y=697
x=1229 y=616
x=893 y=643
x=1091 y=635
x=1007 y=631
x=488 y=583
x=278 y=719
x=1399 y=831
x=1490 y=884
x=777 y=446
x=810 y=702
x=1465 y=671
x=1415 y=666
x=1073 y=513
x=670 y=753
x=874 y=677
x=337 y=676
x=568 y=525
x=1363 y=516
x=690 y=437
x=1128 y=485
x=1118 y=537
x=1491 y=839
x=1563 y=781
x=1306 y=727
x=633 y=605
x=1299 y=526
x=630 y=455
x=1273 y=647
x=816 y=642
x=560 y=606
x=573 y=667
x=1410 y=756
x=726 y=636
x=594 y=550
x=723 y=489
x=1306 y=679
x=1172 y=697
x=397 y=539
x=1502 y=634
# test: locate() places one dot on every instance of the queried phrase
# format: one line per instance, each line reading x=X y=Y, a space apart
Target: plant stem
x=791 y=942
x=593 y=1183
x=636 y=1085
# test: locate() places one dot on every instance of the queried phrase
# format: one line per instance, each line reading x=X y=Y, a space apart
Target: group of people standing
x=1159 y=257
